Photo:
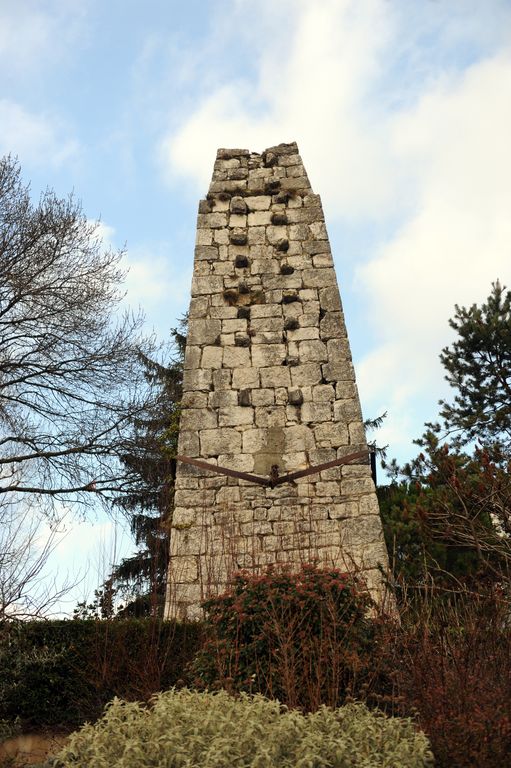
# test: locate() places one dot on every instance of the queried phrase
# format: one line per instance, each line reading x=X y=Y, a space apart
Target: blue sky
x=401 y=109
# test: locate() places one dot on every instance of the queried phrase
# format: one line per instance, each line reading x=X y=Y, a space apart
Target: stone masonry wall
x=268 y=380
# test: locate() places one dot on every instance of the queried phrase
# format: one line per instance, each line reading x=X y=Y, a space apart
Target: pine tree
x=139 y=580
x=478 y=366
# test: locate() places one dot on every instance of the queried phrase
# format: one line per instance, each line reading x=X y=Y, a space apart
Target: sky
x=402 y=113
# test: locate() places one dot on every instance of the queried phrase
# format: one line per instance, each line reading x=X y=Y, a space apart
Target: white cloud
x=310 y=87
x=395 y=129
x=35 y=138
x=456 y=141
x=33 y=36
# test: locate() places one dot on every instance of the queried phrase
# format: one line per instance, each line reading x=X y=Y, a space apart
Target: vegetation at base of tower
x=58 y=674
x=303 y=637
x=186 y=728
x=71 y=379
x=447 y=522
x=447 y=513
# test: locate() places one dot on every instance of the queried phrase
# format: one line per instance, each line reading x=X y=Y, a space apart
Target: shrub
x=451 y=664
x=303 y=638
x=184 y=728
x=61 y=673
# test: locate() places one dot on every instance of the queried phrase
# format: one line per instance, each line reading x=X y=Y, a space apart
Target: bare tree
x=71 y=383
x=26 y=544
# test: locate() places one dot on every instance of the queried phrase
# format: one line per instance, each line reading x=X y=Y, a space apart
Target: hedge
x=62 y=673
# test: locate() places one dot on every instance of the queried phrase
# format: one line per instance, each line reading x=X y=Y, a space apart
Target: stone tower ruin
x=268 y=383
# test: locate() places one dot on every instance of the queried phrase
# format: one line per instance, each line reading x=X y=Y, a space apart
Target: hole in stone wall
x=278 y=218
x=286 y=269
x=272 y=186
x=241 y=262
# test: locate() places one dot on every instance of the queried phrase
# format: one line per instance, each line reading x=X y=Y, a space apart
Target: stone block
x=270 y=416
x=206 y=253
x=267 y=337
x=330 y=299
x=235 y=416
x=223 y=313
x=245 y=378
x=316 y=412
x=318 y=230
x=221 y=236
x=256 y=235
x=312 y=247
x=298 y=438
x=332 y=326
x=258 y=202
x=207 y=284
x=214 y=220
x=236 y=357
x=275 y=376
x=238 y=221
x=234 y=326
x=312 y=351
x=347 y=411
x=323 y=393
x=265 y=355
x=357 y=433
x=254 y=440
x=188 y=444
x=319 y=278
x=259 y=219
x=192 y=357
x=197 y=418
x=196 y=379
x=331 y=435
x=221 y=440
x=265 y=310
x=222 y=398
x=212 y=357
x=204 y=237
x=321 y=260
x=260 y=397
x=304 y=334
x=221 y=379
x=203 y=331
x=194 y=400
x=306 y=374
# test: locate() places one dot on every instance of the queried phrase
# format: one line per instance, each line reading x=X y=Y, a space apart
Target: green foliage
x=303 y=637
x=138 y=582
x=61 y=673
x=478 y=366
x=447 y=522
x=184 y=728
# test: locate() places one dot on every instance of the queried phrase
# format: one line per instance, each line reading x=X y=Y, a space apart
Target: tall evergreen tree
x=478 y=368
x=139 y=580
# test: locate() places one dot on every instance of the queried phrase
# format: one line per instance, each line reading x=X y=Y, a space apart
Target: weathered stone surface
x=222 y=440
x=268 y=381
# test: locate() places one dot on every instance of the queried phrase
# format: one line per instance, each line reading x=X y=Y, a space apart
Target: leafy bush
x=61 y=673
x=303 y=638
x=451 y=664
x=184 y=728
